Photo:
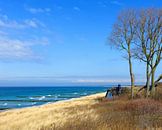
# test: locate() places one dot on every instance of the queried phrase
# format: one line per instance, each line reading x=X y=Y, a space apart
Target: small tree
x=122 y=37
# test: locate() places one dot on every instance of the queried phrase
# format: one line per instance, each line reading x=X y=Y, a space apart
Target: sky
x=63 y=42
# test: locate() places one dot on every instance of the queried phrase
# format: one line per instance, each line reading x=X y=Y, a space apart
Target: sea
x=19 y=97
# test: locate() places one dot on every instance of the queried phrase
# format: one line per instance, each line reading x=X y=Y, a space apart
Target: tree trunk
x=131 y=74
x=153 y=82
x=148 y=80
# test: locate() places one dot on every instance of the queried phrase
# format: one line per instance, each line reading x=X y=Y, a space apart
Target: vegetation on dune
x=119 y=113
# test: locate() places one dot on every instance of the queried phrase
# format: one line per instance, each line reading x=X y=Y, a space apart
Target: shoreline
x=60 y=101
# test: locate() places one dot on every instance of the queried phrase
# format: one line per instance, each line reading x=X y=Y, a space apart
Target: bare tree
x=156 y=37
x=149 y=44
x=122 y=37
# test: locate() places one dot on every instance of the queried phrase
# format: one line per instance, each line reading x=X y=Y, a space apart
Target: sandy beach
x=57 y=114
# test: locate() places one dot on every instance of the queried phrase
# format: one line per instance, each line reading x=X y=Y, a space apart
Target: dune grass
x=87 y=113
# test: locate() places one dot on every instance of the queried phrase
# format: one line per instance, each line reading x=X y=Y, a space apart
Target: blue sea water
x=18 y=97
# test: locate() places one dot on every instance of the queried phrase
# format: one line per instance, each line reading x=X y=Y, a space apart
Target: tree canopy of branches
x=149 y=42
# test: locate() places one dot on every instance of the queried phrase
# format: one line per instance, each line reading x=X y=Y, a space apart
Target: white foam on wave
x=84 y=93
x=33 y=103
x=75 y=93
x=19 y=104
x=31 y=98
x=41 y=98
x=48 y=102
x=5 y=104
x=49 y=95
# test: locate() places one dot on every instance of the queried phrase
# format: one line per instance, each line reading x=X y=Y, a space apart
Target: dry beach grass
x=55 y=115
x=87 y=113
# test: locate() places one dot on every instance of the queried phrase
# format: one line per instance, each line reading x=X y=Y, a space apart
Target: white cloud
x=10 y=24
x=109 y=80
x=38 y=10
x=117 y=3
x=76 y=8
x=60 y=7
x=31 y=23
x=18 y=49
x=101 y=80
x=5 y=22
x=2 y=33
x=102 y=3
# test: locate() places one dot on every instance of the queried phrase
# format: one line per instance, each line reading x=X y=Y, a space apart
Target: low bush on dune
x=117 y=114
x=131 y=114
x=145 y=112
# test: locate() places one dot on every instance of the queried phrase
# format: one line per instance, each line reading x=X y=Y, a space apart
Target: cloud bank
x=67 y=80
x=19 y=49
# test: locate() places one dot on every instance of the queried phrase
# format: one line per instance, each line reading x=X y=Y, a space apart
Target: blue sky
x=63 y=42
